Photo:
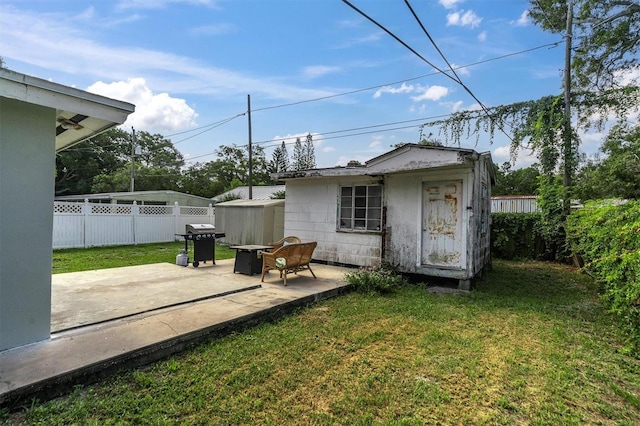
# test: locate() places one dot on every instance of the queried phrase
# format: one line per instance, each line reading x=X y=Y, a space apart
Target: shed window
x=360 y=208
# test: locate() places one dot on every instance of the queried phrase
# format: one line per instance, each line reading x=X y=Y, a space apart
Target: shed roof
x=258 y=192
x=119 y=195
x=98 y=113
x=251 y=203
x=406 y=158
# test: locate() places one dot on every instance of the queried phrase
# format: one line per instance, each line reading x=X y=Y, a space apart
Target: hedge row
x=607 y=237
x=516 y=236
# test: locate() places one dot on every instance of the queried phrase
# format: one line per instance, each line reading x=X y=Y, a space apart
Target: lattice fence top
x=194 y=211
x=111 y=209
x=73 y=208
x=61 y=207
x=156 y=210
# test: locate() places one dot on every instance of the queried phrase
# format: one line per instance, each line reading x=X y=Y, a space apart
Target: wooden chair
x=289 y=240
x=289 y=259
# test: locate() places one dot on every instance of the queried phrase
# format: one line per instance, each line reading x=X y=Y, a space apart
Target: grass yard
x=531 y=344
x=74 y=260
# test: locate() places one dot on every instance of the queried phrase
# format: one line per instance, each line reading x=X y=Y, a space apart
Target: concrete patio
x=106 y=320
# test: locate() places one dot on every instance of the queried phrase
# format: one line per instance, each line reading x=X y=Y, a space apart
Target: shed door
x=442 y=224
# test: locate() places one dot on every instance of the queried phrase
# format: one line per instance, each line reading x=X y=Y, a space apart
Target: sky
x=307 y=67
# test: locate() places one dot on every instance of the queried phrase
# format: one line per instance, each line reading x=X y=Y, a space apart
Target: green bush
x=516 y=236
x=607 y=238
x=381 y=278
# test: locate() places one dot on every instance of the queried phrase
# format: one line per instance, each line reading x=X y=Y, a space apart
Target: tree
x=309 y=153
x=157 y=167
x=298 y=161
x=608 y=42
x=229 y=171
x=616 y=174
x=200 y=179
x=104 y=154
x=516 y=182
x=280 y=160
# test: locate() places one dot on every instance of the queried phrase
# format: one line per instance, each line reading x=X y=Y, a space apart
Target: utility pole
x=133 y=152
x=250 y=149
x=568 y=133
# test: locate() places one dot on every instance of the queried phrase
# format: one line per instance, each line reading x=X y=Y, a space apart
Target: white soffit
x=79 y=114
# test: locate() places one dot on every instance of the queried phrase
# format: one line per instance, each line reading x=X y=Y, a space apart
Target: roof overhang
x=405 y=159
x=80 y=115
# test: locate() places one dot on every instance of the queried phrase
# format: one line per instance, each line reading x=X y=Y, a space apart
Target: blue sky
x=310 y=66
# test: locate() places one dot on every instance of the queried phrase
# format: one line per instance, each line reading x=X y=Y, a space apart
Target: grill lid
x=199 y=228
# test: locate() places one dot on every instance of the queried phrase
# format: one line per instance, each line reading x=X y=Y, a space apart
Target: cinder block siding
x=311 y=213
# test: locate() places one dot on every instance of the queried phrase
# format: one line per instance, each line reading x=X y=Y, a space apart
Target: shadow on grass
x=540 y=286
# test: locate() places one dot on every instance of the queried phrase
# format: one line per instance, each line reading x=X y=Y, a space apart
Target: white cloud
x=328 y=149
x=523 y=20
x=154 y=112
x=43 y=40
x=456 y=106
x=404 y=88
x=290 y=139
x=523 y=157
x=315 y=71
x=482 y=36
x=432 y=93
x=159 y=4
x=214 y=29
x=461 y=70
x=371 y=38
x=466 y=19
x=450 y=4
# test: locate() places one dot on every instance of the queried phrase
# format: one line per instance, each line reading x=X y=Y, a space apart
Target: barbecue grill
x=203 y=237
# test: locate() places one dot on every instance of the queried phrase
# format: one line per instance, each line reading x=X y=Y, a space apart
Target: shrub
x=380 y=278
x=516 y=236
x=607 y=238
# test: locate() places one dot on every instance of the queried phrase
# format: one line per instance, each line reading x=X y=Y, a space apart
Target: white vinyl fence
x=90 y=224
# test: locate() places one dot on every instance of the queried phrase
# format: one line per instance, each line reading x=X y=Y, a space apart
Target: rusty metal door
x=442 y=224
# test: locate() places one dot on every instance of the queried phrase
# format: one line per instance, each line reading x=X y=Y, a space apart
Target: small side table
x=247 y=261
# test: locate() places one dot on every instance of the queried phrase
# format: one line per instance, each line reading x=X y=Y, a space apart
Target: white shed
x=425 y=209
x=250 y=221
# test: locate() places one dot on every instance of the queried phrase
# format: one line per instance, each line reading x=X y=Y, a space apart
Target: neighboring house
x=425 y=209
x=257 y=192
x=514 y=204
x=37 y=119
x=142 y=198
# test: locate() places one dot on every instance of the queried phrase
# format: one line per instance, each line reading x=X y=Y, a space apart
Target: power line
x=374 y=126
x=455 y=79
x=216 y=124
x=397 y=39
x=443 y=57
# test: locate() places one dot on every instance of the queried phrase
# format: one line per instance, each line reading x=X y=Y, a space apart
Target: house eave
x=80 y=115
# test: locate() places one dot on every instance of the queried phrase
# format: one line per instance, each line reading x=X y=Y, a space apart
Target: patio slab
x=199 y=304
x=91 y=297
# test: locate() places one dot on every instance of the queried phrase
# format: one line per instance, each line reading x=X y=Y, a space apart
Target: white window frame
x=358 y=211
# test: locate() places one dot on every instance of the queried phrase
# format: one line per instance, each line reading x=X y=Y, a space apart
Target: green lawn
x=531 y=344
x=74 y=260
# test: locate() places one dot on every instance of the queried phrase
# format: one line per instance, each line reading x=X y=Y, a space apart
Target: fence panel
x=189 y=214
x=154 y=224
x=109 y=224
x=93 y=224
x=68 y=225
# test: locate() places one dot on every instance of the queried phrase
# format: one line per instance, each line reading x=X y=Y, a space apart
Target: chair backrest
x=291 y=239
x=298 y=252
